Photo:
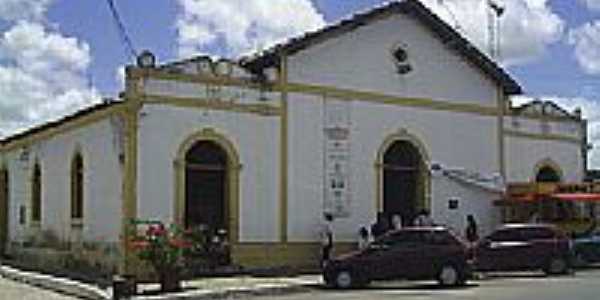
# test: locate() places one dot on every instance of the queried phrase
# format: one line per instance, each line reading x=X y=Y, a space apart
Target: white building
x=389 y=111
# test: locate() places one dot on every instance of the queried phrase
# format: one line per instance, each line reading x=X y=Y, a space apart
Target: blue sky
x=552 y=47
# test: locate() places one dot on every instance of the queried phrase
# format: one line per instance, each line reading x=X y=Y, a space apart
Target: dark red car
x=523 y=247
x=411 y=253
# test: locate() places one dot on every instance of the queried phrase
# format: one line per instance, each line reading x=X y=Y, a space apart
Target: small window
x=401 y=59
x=36 y=194
x=77 y=187
x=400 y=55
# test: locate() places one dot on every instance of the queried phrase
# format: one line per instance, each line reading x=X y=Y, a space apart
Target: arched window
x=36 y=194
x=77 y=187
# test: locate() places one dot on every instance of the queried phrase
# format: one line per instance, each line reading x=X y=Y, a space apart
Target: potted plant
x=164 y=248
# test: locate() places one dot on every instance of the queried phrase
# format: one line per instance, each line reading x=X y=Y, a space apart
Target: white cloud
x=528 y=27
x=42 y=76
x=586 y=40
x=14 y=10
x=590 y=111
x=591 y=4
x=120 y=77
x=234 y=27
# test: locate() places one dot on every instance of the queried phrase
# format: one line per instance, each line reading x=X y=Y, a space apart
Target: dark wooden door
x=401 y=171
x=206 y=187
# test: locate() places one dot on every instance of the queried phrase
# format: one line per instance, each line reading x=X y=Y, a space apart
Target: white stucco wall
x=98 y=143
x=524 y=153
x=362 y=60
x=522 y=156
x=455 y=140
x=164 y=128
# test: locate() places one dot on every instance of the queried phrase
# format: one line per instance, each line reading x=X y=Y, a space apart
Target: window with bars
x=36 y=194
x=77 y=187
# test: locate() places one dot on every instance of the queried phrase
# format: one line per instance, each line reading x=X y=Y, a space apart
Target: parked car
x=586 y=249
x=523 y=247
x=412 y=253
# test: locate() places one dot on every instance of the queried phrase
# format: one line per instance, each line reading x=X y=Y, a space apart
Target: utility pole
x=495 y=11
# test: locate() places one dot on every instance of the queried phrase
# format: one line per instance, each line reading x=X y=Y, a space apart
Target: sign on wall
x=336 y=165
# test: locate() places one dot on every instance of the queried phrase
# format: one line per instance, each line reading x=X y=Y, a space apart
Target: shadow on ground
x=399 y=287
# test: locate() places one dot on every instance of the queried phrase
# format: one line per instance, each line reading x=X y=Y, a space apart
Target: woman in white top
x=396 y=222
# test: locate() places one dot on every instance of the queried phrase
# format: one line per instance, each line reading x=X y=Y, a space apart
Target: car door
x=541 y=244
x=399 y=255
x=502 y=251
x=440 y=247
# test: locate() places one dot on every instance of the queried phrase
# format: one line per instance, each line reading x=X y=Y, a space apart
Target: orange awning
x=577 y=197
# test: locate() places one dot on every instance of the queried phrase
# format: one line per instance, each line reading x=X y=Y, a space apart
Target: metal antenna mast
x=495 y=11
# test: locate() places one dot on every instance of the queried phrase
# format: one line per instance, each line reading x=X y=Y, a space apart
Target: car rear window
x=505 y=235
x=402 y=238
x=537 y=233
x=440 y=238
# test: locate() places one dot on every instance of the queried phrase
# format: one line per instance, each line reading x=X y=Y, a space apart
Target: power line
x=121 y=28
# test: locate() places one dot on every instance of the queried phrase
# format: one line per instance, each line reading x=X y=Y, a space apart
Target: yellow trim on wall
x=283 y=136
x=129 y=205
x=542 y=136
x=500 y=138
x=234 y=168
x=540 y=117
x=256 y=108
x=374 y=97
x=549 y=163
x=63 y=128
x=137 y=73
x=322 y=90
x=403 y=135
x=302 y=255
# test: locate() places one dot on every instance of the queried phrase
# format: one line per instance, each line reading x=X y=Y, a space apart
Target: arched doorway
x=207 y=166
x=547 y=174
x=548 y=210
x=403 y=181
x=206 y=187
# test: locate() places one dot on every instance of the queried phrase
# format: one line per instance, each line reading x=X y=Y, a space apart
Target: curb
x=61 y=285
x=260 y=290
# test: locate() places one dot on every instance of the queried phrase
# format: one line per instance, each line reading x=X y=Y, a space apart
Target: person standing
x=396 y=222
x=424 y=219
x=471 y=232
x=326 y=239
x=363 y=238
x=381 y=225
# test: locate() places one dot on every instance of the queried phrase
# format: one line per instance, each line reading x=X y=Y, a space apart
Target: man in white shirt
x=326 y=238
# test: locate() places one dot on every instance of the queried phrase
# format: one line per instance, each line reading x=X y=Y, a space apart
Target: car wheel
x=557 y=265
x=449 y=275
x=344 y=279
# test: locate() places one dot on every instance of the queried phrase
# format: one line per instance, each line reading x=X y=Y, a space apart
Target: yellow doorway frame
x=232 y=184
x=424 y=182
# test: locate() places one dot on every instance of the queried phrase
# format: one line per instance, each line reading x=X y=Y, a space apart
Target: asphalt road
x=18 y=291
x=585 y=285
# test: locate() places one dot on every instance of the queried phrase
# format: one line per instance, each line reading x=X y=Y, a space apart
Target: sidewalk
x=206 y=288
x=226 y=288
